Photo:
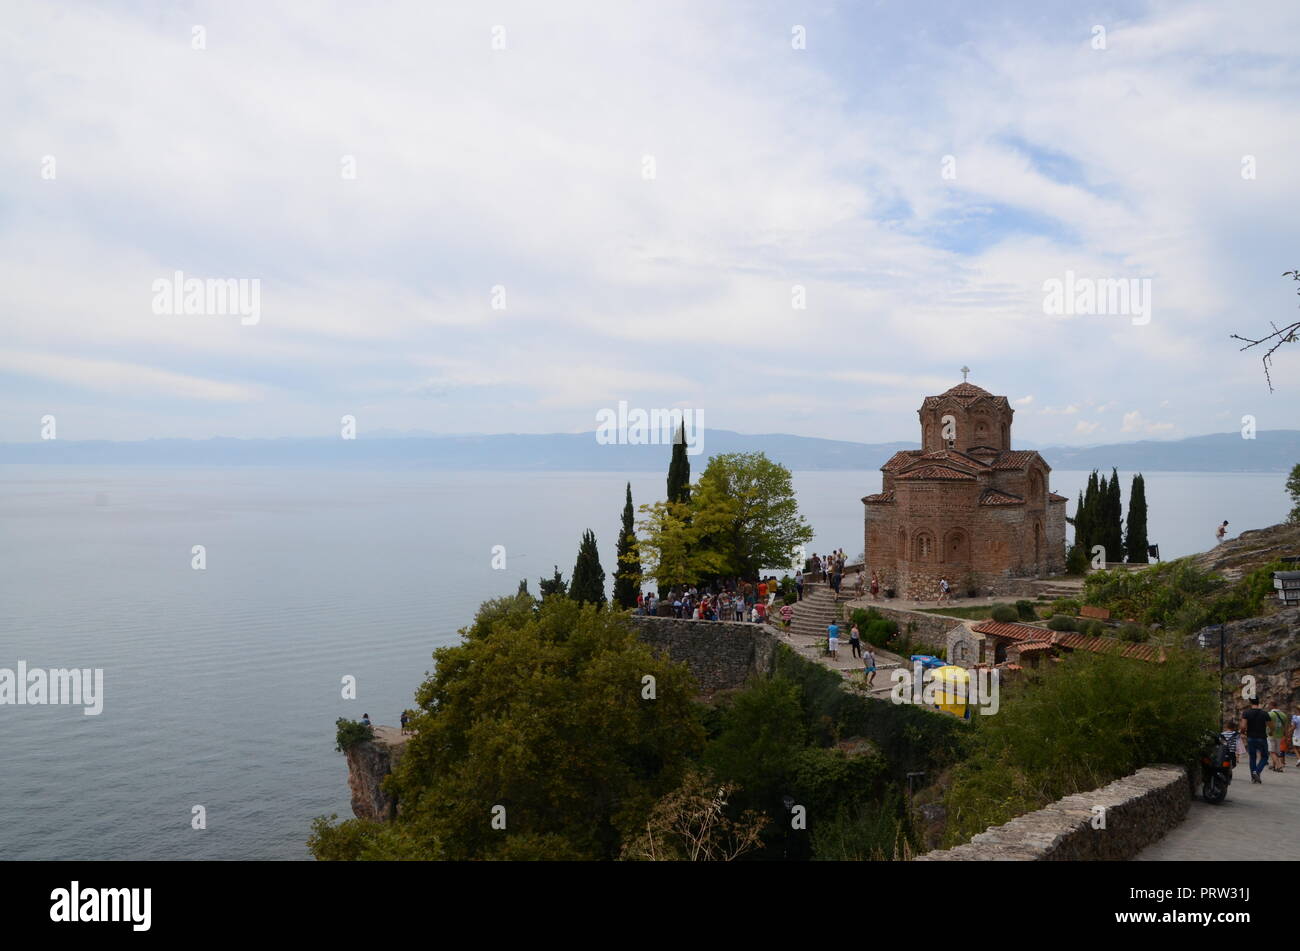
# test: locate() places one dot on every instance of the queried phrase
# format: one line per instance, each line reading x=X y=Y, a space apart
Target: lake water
x=222 y=685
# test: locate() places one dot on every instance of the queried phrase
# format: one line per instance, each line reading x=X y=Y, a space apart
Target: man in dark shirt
x=1254 y=723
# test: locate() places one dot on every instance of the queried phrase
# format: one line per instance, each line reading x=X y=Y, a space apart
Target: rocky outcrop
x=1266 y=648
x=368 y=763
x=1112 y=823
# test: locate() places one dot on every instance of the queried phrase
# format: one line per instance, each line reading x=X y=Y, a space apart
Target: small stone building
x=965 y=506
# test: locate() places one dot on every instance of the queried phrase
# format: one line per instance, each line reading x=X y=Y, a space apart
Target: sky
x=493 y=217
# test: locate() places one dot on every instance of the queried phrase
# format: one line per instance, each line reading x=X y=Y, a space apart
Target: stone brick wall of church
x=720 y=654
x=1000 y=543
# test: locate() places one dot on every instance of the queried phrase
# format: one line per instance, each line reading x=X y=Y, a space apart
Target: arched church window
x=924 y=546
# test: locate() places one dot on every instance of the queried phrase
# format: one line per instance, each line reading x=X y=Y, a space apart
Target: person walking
x=1222 y=532
x=875 y=585
x=1277 y=728
x=944 y=591
x=1254 y=726
x=833 y=640
x=787 y=615
x=869 y=667
x=855 y=641
x=798 y=583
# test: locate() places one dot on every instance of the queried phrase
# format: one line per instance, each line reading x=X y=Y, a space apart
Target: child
x=787 y=614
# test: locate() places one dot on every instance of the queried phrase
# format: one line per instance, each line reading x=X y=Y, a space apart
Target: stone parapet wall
x=931 y=629
x=720 y=654
x=1139 y=810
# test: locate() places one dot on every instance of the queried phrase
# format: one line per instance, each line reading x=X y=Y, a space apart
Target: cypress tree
x=1087 y=527
x=628 y=571
x=1137 y=521
x=1114 y=519
x=554 y=585
x=588 y=583
x=679 y=470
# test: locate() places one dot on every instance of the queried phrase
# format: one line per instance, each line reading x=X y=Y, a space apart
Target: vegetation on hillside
x=537 y=738
x=1180 y=596
x=1077 y=725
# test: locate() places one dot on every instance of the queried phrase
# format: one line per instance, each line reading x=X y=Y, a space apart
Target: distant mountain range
x=1271 y=451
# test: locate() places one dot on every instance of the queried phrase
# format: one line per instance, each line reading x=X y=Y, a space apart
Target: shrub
x=1004 y=613
x=351 y=732
x=1119 y=715
x=879 y=632
x=1135 y=633
x=1076 y=562
x=1068 y=606
x=1060 y=622
x=1092 y=628
x=1025 y=609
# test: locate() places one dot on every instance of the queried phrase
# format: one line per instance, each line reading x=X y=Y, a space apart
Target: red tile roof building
x=964 y=505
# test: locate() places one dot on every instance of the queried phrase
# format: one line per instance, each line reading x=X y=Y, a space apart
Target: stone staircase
x=815 y=612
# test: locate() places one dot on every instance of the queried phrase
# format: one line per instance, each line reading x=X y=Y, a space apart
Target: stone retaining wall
x=931 y=629
x=720 y=654
x=1139 y=810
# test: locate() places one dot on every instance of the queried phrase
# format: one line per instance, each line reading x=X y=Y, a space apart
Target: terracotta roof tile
x=1016 y=632
x=1034 y=646
x=1056 y=497
x=879 y=497
x=943 y=473
x=1015 y=459
x=965 y=394
x=1108 y=645
x=900 y=459
x=998 y=497
x=954 y=455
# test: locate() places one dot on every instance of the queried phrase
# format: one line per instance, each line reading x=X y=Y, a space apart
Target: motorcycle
x=1216 y=768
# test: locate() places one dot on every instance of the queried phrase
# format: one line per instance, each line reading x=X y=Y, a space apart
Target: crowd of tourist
x=756 y=600
x=731 y=600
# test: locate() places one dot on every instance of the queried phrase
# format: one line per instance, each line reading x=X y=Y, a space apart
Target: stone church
x=965 y=506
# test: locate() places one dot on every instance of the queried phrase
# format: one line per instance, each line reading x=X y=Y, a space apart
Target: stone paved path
x=1255 y=822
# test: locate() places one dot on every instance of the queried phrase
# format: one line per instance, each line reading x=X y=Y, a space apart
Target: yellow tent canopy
x=952 y=689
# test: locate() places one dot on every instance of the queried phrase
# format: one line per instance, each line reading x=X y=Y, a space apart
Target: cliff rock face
x=1267 y=648
x=368 y=764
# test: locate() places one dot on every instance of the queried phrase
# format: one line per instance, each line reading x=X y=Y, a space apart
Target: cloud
x=521 y=169
x=1085 y=428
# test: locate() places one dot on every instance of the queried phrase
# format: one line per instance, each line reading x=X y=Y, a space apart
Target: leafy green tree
x=679 y=470
x=553 y=585
x=762 y=731
x=537 y=720
x=627 y=578
x=587 y=585
x=1293 y=490
x=1136 y=530
x=523 y=586
x=753 y=499
x=669 y=549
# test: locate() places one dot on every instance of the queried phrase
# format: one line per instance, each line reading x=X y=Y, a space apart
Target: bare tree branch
x=1279 y=336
